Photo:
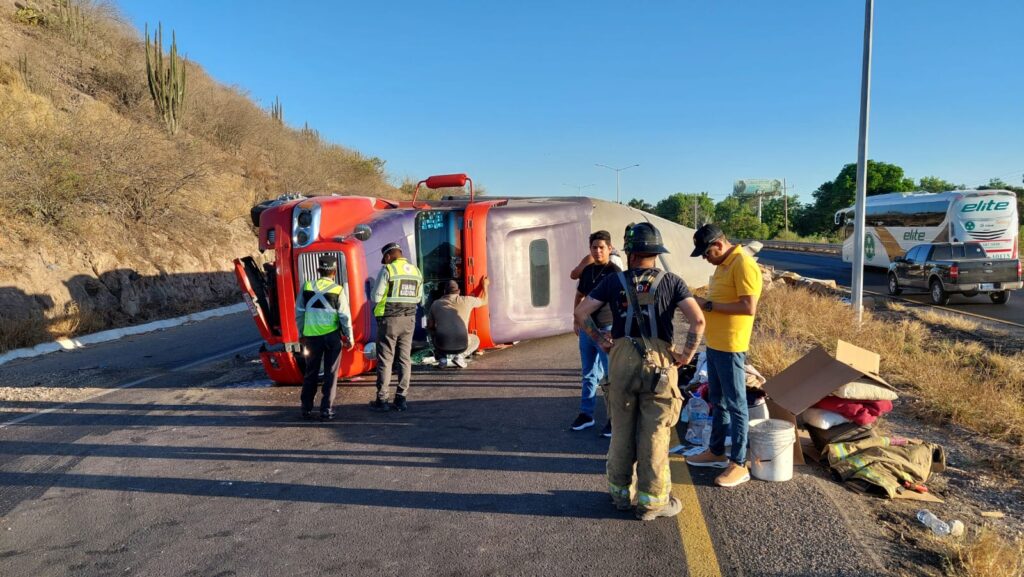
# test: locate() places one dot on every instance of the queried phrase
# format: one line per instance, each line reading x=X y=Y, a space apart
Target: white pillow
x=864 y=390
x=823 y=419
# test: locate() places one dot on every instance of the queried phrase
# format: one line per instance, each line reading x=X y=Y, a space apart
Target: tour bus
x=898 y=221
x=525 y=246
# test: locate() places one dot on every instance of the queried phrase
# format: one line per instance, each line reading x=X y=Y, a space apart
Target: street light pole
x=617 y=171
x=857 y=288
x=579 y=187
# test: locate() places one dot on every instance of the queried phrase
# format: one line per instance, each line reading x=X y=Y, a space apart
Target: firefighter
x=643 y=393
x=397 y=293
x=322 y=315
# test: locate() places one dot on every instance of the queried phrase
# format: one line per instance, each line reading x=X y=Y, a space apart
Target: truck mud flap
x=254 y=291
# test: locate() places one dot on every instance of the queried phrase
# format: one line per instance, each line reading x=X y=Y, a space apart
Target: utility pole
x=695 y=213
x=785 y=202
x=857 y=288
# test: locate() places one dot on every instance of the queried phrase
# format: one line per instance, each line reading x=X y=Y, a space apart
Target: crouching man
x=448 y=324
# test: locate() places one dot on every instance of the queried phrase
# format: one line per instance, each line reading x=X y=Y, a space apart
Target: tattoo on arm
x=690 y=345
x=592 y=330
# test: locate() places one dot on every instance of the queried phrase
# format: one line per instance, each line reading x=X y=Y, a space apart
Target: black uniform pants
x=325 y=349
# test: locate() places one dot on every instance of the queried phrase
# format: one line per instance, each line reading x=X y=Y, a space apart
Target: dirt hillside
x=109 y=219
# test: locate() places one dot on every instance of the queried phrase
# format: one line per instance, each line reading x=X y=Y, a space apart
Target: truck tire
x=938 y=294
x=894 y=285
x=1000 y=297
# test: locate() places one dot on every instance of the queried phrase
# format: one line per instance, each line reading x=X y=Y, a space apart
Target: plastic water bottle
x=938 y=526
x=705 y=437
x=697 y=409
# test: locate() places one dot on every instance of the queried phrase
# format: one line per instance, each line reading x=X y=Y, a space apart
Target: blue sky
x=527 y=96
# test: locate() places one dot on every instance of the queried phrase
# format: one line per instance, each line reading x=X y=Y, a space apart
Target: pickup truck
x=948 y=268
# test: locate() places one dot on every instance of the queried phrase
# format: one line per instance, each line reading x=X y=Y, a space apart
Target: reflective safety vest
x=405 y=286
x=318 y=313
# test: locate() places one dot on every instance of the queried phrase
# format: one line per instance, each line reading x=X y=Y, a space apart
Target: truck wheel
x=1000 y=297
x=894 y=285
x=938 y=294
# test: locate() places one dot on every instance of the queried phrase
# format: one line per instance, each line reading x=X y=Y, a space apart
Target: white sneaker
x=460 y=362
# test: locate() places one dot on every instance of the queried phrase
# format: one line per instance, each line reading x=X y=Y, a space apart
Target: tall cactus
x=166 y=85
x=277 y=111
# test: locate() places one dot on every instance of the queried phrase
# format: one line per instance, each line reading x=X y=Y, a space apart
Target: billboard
x=757 y=187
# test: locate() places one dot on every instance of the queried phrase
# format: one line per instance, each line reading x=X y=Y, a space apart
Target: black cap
x=388 y=248
x=327 y=262
x=451 y=288
x=703 y=238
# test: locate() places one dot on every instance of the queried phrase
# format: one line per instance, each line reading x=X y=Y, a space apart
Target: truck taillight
x=954 y=272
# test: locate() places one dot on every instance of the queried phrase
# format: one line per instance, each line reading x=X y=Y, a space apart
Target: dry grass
x=955 y=322
x=987 y=554
x=958 y=381
x=79 y=135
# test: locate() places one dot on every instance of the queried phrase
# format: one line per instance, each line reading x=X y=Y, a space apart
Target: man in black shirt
x=592 y=357
x=643 y=393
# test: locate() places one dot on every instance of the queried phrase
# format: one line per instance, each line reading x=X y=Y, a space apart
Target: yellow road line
x=701 y=559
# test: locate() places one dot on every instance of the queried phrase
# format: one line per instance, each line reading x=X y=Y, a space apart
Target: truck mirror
x=362 y=232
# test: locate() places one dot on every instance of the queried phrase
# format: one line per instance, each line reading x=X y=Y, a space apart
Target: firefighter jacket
x=322 y=308
x=398 y=290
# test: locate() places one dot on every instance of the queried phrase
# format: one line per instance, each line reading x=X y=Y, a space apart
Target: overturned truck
x=525 y=245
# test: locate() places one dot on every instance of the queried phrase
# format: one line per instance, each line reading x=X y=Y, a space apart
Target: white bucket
x=771 y=449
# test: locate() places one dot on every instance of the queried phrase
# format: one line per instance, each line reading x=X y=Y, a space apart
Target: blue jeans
x=728 y=391
x=595 y=367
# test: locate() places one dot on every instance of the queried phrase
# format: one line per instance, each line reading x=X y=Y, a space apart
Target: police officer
x=643 y=395
x=322 y=315
x=397 y=293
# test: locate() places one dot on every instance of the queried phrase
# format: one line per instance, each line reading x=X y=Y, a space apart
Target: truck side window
x=540 y=273
x=942 y=253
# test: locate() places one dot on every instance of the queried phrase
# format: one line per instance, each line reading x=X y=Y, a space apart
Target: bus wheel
x=1000 y=297
x=894 y=285
x=938 y=294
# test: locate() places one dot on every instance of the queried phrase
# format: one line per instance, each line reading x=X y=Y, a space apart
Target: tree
x=679 y=207
x=773 y=214
x=841 y=193
x=936 y=184
x=739 y=221
x=641 y=205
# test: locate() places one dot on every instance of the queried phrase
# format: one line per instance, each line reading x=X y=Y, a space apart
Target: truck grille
x=307 y=267
x=987 y=235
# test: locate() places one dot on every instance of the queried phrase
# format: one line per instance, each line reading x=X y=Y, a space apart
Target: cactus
x=72 y=21
x=25 y=72
x=310 y=133
x=166 y=85
x=277 y=111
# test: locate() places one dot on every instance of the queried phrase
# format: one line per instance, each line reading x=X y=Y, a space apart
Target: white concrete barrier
x=114 y=334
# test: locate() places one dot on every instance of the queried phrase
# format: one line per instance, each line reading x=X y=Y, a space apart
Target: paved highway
x=201 y=468
x=825 y=266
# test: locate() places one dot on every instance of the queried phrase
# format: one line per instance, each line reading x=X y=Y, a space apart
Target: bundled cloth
x=858 y=412
x=877 y=464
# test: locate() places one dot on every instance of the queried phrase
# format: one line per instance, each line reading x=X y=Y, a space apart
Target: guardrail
x=822 y=247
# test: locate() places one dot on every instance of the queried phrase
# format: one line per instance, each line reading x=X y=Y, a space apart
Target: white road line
x=202 y=361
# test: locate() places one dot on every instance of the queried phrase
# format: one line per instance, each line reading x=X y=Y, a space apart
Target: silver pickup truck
x=947 y=268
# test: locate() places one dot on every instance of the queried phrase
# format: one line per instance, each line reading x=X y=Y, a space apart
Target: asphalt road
x=202 y=468
x=825 y=266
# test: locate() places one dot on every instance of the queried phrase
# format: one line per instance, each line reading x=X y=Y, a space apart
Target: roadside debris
x=839 y=400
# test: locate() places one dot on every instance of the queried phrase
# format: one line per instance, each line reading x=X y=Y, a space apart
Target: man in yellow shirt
x=729 y=310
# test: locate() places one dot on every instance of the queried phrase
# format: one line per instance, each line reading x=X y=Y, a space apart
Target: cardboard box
x=814 y=377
